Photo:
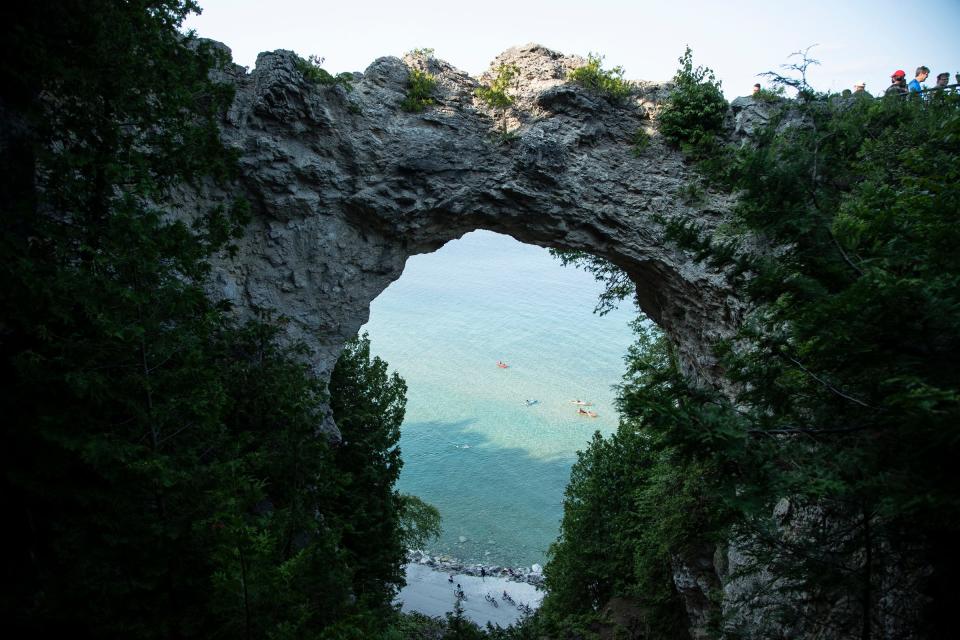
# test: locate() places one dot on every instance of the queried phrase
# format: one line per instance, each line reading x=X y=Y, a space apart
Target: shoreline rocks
x=445 y=563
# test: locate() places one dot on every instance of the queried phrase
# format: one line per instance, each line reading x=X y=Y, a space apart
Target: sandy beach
x=429 y=592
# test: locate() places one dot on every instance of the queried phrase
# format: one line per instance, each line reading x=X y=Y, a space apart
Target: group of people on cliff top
x=899 y=84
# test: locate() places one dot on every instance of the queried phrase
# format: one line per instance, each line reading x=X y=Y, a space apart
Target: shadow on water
x=500 y=505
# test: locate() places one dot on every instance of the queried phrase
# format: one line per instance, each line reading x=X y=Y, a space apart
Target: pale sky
x=857 y=39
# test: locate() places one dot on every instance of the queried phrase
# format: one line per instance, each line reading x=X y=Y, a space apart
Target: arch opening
x=492 y=446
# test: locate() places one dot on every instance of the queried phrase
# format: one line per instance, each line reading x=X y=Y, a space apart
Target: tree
x=459 y=627
x=693 y=115
x=419 y=522
x=496 y=97
x=827 y=461
x=633 y=503
x=844 y=383
x=165 y=470
x=368 y=405
x=110 y=392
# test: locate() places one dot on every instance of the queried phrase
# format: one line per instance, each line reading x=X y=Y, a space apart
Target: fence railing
x=927 y=91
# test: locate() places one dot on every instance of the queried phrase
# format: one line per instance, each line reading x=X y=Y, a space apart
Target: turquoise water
x=494 y=467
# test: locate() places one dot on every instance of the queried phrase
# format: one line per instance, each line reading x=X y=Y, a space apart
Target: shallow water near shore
x=429 y=592
x=495 y=467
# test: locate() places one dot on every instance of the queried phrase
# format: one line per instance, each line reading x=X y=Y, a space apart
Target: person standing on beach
x=483 y=573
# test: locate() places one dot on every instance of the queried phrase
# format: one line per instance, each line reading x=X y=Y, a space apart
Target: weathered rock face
x=345 y=186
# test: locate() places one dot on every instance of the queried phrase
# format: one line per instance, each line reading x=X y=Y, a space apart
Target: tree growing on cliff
x=632 y=506
x=693 y=115
x=495 y=95
x=608 y=83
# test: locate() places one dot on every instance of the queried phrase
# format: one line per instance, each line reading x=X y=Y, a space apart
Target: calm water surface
x=495 y=467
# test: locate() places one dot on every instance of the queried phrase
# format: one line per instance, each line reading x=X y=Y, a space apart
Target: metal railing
x=927 y=91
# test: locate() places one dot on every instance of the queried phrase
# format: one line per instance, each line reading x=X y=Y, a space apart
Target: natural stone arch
x=345 y=186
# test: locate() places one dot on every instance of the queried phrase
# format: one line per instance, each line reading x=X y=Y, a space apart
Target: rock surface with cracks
x=345 y=186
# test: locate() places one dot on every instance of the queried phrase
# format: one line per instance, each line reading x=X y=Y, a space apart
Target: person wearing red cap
x=898 y=83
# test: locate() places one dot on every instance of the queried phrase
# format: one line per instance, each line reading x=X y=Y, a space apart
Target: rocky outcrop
x=345 y=186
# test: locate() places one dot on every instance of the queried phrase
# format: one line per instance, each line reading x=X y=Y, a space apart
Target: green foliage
x=608 y=83
x=830 y=464
x=692 y=193
x=847 y=387
x=420 y=86
x=693 y=115
x=459 y=627
x=634 y=502
x=425 y=52
x=110 y=347
x=861 y=320
x=768 y=95
x=617 y=283
x=419 y=522
x=640 y=141
x=504 y=137
x=270 y=529
x=368 y=404
x=313 y=71
x=165 y=467
x=495 y=96
x=414 y=626
x=794 y=75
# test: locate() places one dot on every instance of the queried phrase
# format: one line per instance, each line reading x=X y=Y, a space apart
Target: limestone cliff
x=345 y=186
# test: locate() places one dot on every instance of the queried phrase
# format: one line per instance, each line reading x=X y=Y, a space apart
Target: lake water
x=495 y=467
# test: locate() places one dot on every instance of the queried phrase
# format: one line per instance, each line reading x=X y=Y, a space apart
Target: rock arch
x=345 y=186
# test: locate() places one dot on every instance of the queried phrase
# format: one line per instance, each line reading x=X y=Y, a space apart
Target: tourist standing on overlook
x=943 y=79
x=898 y=83
x=920 y=76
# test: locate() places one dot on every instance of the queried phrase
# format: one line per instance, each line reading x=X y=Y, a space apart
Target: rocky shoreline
x=447 y=564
